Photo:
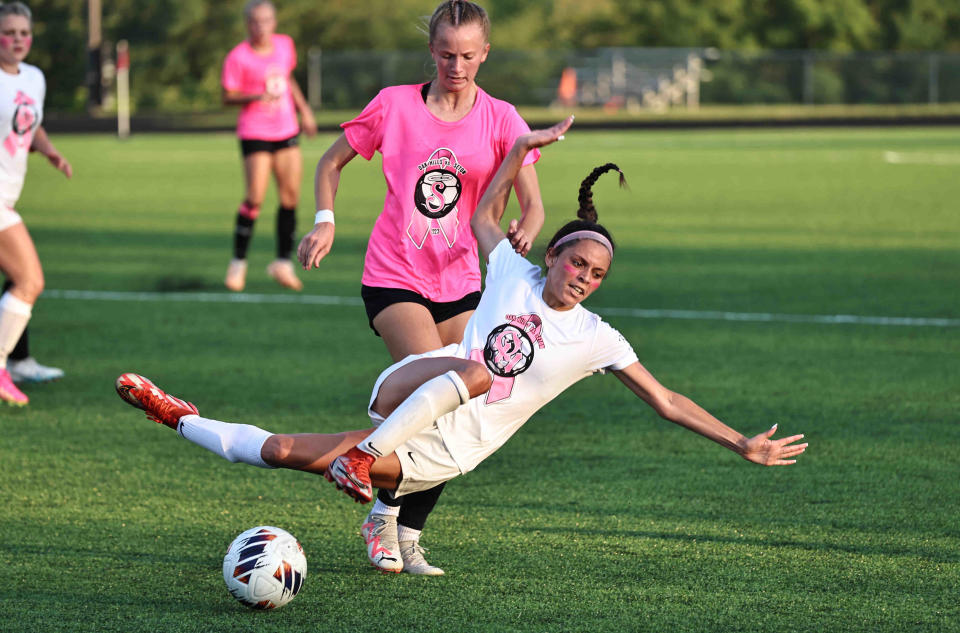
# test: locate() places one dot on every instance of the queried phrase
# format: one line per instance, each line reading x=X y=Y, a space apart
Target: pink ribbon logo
x=509 y=352
x=435 y=199
x=24 y=119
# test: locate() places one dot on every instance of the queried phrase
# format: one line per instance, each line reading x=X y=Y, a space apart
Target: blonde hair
x=15 y=8
x=457 y=12
x=253 y=4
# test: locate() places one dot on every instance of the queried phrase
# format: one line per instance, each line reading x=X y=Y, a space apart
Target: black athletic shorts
x=250 y=145
x=376 y=299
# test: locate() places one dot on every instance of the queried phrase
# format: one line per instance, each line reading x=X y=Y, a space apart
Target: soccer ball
x=264 y=567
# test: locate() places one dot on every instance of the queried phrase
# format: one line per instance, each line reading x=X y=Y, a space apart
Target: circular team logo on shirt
x=24 y=117
x=509 y=351
x=437 y=192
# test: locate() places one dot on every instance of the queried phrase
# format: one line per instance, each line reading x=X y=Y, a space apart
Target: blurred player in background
x=441 y=143
x=22 y=90
x=257 y=76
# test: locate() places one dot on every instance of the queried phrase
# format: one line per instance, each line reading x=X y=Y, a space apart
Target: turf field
x=597 y=516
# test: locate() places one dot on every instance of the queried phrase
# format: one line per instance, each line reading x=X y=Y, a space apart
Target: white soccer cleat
x=282 y=272
x=236 y=278
x=379 y=532
x=414 y=562
x=29 y=370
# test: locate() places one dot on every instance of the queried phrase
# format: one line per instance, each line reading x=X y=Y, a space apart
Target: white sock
x=233 y=442
x=379 y=507
x=431 y=400
x=405 y=533
x=14 y=316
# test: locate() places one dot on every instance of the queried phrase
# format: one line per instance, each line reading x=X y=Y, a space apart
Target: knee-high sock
x=233 y=442
x=436 y=397
x=14 y=316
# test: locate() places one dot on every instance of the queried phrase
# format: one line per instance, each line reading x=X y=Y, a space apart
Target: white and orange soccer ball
x=264 y=567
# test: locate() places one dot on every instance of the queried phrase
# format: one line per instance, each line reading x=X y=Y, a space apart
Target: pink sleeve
x=365 y=133
x=293 y=52
x=514 y=126
x=232 y=76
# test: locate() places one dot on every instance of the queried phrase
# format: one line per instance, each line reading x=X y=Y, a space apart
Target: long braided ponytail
x=586 y=211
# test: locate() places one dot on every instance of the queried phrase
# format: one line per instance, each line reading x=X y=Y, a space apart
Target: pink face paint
x=571 y=270
x=6 y=41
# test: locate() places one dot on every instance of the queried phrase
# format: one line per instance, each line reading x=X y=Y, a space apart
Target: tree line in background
x=177 y=46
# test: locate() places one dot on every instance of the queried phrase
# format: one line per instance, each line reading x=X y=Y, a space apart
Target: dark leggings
x=22 y=349
x=414 y=507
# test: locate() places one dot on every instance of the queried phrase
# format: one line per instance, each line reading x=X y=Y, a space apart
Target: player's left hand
x=539 y=138
x=519 y=240
x=308 y=123
x=760 y=449
x=60 y=163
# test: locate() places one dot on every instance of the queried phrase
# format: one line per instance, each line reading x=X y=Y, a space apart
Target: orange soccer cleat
x=160 y=407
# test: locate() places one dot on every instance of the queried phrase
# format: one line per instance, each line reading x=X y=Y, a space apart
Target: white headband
x=586 y=235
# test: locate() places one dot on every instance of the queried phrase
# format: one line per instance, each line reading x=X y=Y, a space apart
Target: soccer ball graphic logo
x=264 y=567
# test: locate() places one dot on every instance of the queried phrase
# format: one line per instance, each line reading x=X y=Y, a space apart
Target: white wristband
x=323 y=215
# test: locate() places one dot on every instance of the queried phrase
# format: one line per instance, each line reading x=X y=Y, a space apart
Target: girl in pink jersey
x=441 y=143
x=440 y=414
x=257 y=76
x=22 y=90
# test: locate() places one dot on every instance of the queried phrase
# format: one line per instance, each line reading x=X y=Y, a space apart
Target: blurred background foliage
x=177 y=46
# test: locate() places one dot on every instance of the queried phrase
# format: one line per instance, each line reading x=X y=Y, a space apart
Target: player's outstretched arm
x=41 y=143
x=524 y=231
x=760 y=449
x=486 y=219
x=317 y=243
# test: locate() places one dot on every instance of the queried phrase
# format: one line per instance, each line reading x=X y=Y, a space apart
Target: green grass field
x=597 y=516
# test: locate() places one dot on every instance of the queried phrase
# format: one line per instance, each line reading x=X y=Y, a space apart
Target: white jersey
x=533 y=351
x=21 y=111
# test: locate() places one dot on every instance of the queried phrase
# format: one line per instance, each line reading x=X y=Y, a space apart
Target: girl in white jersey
x=440 y=414
x=22 y=89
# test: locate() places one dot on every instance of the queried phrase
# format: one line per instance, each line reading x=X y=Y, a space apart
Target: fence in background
x=655 y=79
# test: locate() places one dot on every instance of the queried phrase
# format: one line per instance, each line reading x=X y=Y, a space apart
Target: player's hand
x=539 y=138
x=519 y=240
x=308 y=123
x=760 y=449
x=315 y=245
x=61 y=163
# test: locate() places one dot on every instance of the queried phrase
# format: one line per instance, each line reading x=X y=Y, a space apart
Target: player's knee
x=29 y=288
x=476 y=377
x=276 y=449
x=249 y=210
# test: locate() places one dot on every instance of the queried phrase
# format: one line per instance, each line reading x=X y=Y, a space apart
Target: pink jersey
x=436 y=172
x=249 y=72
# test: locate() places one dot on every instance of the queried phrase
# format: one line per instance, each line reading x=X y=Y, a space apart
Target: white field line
x=921 y=158
x=697 y=315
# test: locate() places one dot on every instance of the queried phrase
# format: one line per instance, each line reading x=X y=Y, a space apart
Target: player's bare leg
x=287 y=168
x=407 y=328
x=256 y=171
x=20 y=263
x=308 y=452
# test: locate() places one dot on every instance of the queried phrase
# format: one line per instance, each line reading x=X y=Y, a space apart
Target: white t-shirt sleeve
x=611 y=350
x=504 y=262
